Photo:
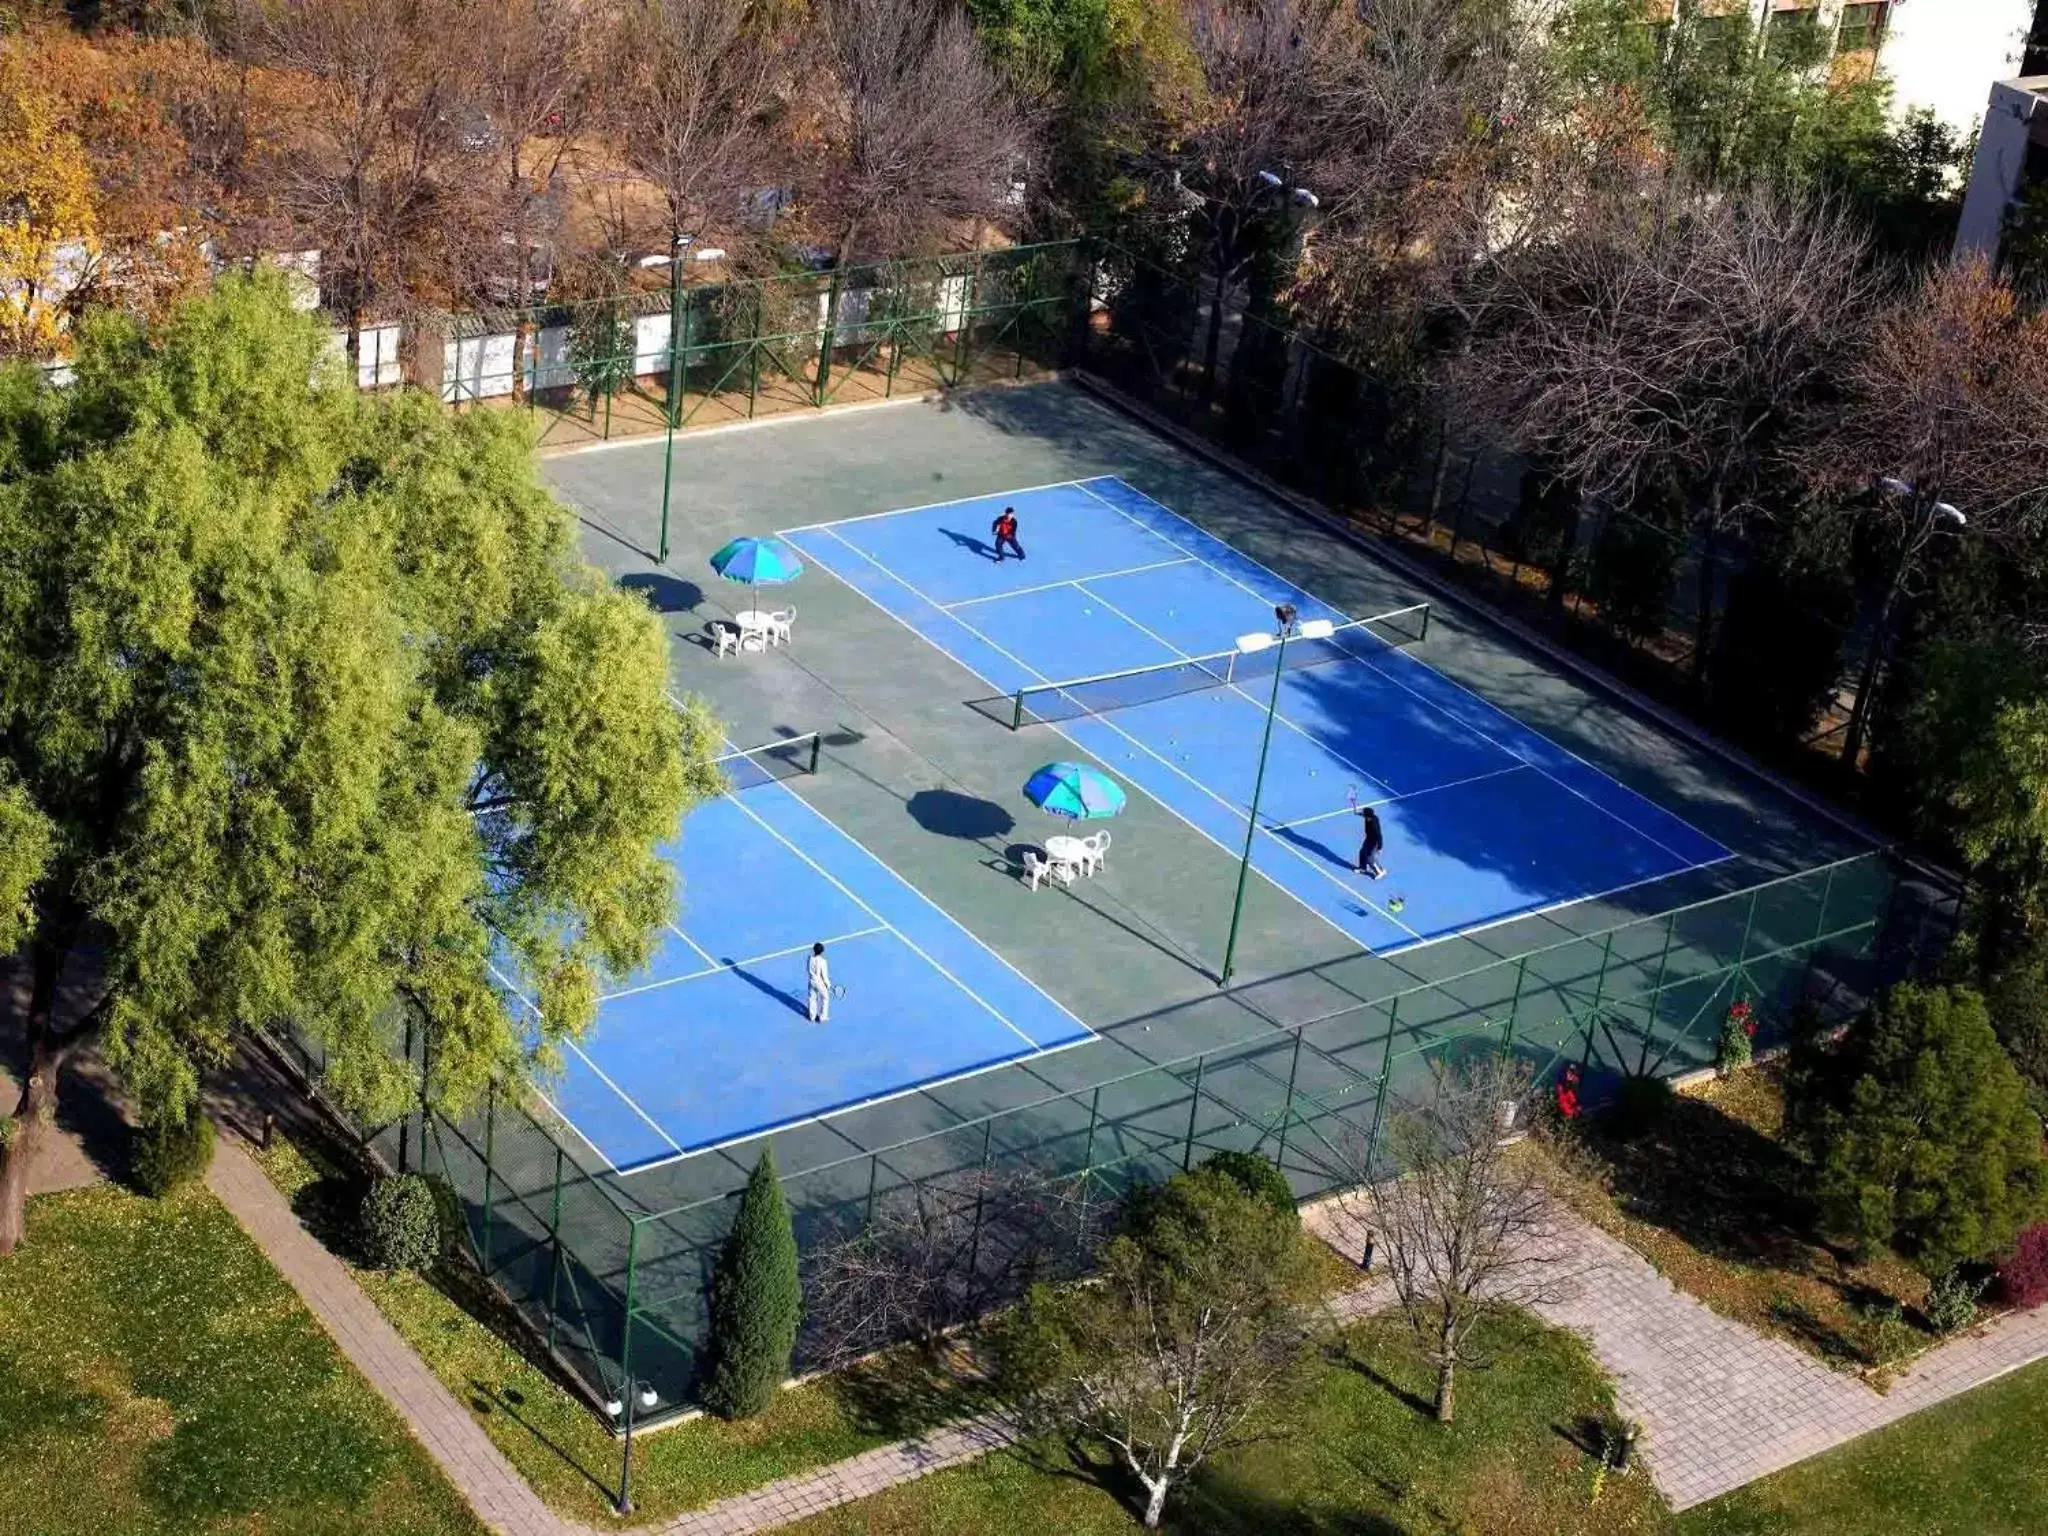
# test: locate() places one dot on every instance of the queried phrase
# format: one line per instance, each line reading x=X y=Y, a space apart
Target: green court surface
x=913 y=771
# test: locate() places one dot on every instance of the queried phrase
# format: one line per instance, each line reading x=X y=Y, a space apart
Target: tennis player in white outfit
x=820 y=986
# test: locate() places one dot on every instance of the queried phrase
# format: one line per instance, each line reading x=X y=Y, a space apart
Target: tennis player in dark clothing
x=1370 y=844
x=1005 y=530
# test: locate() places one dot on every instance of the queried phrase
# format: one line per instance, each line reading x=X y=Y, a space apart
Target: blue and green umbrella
x=1074 y=791
x=757 y=562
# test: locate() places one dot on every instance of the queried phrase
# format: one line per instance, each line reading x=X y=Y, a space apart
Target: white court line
x=709 y=958
x=823 y=1115
x=1303 y=592
x=1104 y=720
x=737 y=965
x=871 y=912
x=1299 y=730
x=630 y=1102
x=1517 y=766
x=1072 y=581
x=933 y=506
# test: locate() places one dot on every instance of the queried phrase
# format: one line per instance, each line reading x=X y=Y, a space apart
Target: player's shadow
x=761 y=984
x=665 y=593
x=969 y=542
x=952 y=814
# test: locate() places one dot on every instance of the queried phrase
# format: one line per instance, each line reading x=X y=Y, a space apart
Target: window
x=1795 y=38
x=1862 y=26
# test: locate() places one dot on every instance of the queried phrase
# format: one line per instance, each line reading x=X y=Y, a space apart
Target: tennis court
x=711 y=1043
x=1116 y=632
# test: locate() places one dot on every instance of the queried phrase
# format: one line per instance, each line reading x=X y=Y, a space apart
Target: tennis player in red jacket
x=1005 y=530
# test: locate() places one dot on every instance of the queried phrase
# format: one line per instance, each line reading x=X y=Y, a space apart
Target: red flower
x=1749 y=1027
x=1567 y=1101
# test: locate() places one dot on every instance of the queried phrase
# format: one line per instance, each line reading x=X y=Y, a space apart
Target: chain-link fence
x=616 y=1292
x=733 y=350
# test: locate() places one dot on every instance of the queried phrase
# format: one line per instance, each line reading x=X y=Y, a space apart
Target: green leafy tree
x=756 y=1301
x=1918 y=1130
x=307 y=703
x=1197 y=1316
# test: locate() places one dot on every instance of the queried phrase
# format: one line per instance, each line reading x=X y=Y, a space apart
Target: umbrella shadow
x=952 y=814
x=968 y=541
x=664 y=593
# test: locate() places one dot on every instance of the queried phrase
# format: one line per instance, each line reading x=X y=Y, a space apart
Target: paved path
x=1721 y=1404
x=495 y=1491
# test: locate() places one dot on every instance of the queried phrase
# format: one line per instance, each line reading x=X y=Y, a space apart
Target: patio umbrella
x=1074 y=791
x=757 y=562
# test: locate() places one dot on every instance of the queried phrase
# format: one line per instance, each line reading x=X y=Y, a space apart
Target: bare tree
x=1199 y=1314
x=1671 y=346
x=916 y=131
x=1467 y=1224
x=528 y=83
x=692 y=96
x=362 y=174
x=1942 y=428
x=939 y=1254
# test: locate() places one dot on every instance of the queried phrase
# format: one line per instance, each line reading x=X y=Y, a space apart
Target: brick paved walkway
x=1722 y=1405
x=495 y=1491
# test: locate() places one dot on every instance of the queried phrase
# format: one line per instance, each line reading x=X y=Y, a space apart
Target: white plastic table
x=1068 y=850
x=752 y=620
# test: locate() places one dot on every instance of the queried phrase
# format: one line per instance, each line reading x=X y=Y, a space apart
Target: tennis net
x=1355 y=640
x=790 y=758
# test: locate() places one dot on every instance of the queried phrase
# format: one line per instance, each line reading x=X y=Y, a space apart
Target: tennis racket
x=838 y=990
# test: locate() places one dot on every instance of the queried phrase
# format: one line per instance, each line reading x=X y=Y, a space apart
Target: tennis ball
x=1397 y=904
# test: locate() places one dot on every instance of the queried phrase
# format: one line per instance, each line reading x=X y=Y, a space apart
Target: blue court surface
x=1485 y=819
x=711 y=1043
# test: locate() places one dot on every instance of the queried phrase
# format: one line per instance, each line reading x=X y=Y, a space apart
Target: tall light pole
x=1252 y=645
x=677 y=343
x=630 y=1392
x=1926 y=515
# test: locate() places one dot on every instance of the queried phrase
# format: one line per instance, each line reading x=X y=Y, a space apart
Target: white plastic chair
x=780 y=623
x=1038 y=868
x=1097 y=852
x=724 y=637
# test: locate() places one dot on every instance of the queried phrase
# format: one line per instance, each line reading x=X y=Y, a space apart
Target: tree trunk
x=1215 y=349
x=1873 y=661
x=36 y=1113
x=1155 y=1502
x=1445 y=1403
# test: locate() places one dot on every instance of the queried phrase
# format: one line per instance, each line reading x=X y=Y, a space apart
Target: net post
x=1017 y=712
x=1187 y=1146
x=817 y=744
x=1428 y=609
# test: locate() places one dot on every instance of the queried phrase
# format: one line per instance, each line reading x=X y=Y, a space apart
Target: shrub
x=2023 y=1273
x=1640 y=1105
x=1952 y=1301
x=1259 y=1177
x=400 y=1224
x=169 y=1153
x=1918 y=1130
x=756 y=1301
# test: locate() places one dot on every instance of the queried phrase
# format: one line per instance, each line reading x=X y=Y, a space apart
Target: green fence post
x=1287 y=1106
x=1600 y=981
x=874 y=1171
x=490 y=1158
x=1827 y=891
x=1379 y=1108
x=823 y=391
x=1515 y=1002
x=980 y=1196
x=405 y=1120
x=555 y=1239
x=626 y=1383
x=1748 y=922
x=1187 y=1146
x=961 y=338
x=1094 y=1113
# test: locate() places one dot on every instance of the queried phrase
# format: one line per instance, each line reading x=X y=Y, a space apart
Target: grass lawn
x=1357 y=1455
x=553 y=1437
x=158 y=1375
x=1710 y=1199
x=1972 y=1466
